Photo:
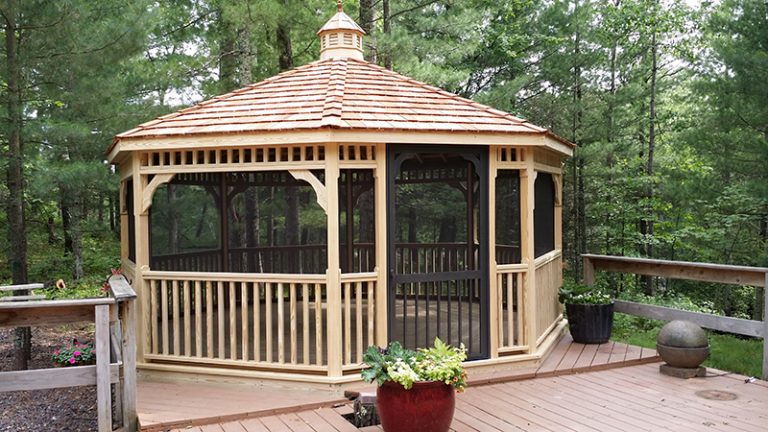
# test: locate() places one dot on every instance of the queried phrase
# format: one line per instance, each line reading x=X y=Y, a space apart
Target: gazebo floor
x=165 y=405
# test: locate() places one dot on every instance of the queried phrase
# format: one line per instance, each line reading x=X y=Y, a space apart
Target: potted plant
x=416 y=389
x=589 y=310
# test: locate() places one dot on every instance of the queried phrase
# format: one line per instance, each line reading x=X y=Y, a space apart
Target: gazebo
x=276 y=231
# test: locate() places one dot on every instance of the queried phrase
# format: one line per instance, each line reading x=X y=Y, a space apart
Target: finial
x=339 y=6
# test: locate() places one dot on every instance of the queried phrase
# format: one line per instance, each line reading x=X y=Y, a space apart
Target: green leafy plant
x=74 y=354
x=578 y=293
x=441 y=362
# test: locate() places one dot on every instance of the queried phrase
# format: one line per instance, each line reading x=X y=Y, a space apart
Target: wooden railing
x=259 y=321
x=115 y=346
x=549 y=279
x=433 y=257
x=718 y=273
x=511 y=307
x=297 y=259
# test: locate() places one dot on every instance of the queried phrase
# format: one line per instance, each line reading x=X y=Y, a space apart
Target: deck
x=608 y=387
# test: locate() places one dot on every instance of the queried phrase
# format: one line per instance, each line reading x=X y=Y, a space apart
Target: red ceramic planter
x=426 y=407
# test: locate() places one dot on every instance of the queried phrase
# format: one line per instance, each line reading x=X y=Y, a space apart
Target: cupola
x=341 y=37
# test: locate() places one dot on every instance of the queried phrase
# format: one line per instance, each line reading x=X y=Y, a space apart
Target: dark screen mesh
x=508 y=217
x=271 y=224
x=544 y=214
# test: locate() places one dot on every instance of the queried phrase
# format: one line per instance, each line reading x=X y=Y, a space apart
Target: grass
x=727 y=352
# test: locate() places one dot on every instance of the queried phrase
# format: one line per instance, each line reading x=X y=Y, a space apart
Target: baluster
x=198 y=319
x=294 y=328
x=359 y=320
x=318 y=324
x=176 y=320
x=280 y=323
x=347 y=324
x=153 y=311
x=164 y=315
x=232 y=319
x=268 y=319
x=244 y=321
x=305 y=322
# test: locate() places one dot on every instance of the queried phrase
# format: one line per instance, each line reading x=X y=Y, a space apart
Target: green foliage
x=441 y=362
x=578 y=293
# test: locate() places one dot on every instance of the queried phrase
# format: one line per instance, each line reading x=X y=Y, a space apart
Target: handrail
x=117 y=312
x=706 y=272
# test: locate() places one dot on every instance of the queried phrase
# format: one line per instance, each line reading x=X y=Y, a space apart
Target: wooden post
x=765 y=327
x=130 y=423
x=103 y=388
x=380 y=211
x=589 y=271
x=493 y=298
x=333 y=274
x=141 y=248
x=528 y=202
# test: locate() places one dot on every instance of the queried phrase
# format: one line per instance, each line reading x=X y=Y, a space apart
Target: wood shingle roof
x=340 y=93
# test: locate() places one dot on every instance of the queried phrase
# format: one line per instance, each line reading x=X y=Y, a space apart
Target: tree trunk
x=365 y=20
x=580 y=238
x=66 y=225
x=387 y=31
x=15 y=207
x=77 y=242
x=646 y=223
x=173 y=220
x=284 y=47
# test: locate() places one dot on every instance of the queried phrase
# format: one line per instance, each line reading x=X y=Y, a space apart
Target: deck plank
x=586 y=358
x=253 y=425
x=570 y=358
x=335 y=420
x=295 y=423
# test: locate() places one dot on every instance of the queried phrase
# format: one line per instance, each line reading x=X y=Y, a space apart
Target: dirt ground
x=67 y=409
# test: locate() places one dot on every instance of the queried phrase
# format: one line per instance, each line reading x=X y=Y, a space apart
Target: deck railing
x=549 y=279
x=718 y=273
x=115 y=346
x=510 y=284
x=258 y=321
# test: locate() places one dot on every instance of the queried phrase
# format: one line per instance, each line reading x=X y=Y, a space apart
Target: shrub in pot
x=590 y=312
x=416 y=389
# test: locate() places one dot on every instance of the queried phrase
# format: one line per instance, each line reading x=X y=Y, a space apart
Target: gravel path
x=67 y=409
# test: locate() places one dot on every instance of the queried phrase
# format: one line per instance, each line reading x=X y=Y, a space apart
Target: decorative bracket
x=320 y=190
x=150 y=189
x=558 y=189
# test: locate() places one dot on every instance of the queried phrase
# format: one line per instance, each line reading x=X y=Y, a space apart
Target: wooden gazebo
x=276 y=231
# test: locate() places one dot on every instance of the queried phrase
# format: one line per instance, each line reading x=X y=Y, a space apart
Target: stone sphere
x=682 y=344
x=682 y=334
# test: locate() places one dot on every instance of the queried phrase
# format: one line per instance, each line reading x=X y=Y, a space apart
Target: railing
x=433 y=257
x=115 y=345
x=549 y=279
x=259 y=321
x=296 y=259
x=511 y=307
x=718 y=273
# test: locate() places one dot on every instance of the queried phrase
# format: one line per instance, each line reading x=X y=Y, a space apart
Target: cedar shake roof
x=336 y=93
x=339 y=92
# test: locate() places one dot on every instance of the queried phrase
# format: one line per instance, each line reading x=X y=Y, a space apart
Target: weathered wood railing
x=718 y=273
x=261 y=321
x=115 y=345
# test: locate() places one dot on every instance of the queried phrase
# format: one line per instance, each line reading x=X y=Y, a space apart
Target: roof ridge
x=486 y=108
x=334 y=96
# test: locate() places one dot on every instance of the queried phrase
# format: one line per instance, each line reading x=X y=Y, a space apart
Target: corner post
x=103 y=387
x=493 y=288
x=333 y=274
x=380 y=221
x=527 y=205
x=141 y=247
x=130 y=422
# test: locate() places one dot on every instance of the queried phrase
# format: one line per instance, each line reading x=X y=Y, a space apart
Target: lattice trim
x=234 y=156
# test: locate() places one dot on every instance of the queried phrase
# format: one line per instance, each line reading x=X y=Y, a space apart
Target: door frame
x=479 y=156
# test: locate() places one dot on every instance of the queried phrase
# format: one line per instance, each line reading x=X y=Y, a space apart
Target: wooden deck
x=632 y=398
x=164 y=405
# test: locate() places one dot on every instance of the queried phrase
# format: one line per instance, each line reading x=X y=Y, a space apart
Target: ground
x=65 y=409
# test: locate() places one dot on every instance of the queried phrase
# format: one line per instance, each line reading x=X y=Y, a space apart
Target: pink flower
x=76 y=353
x=56 y=352
x=72 y=360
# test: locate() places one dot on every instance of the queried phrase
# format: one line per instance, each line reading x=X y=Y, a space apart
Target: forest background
x=667 y=101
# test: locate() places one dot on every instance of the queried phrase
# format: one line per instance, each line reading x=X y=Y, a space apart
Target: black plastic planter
x=590 y=323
